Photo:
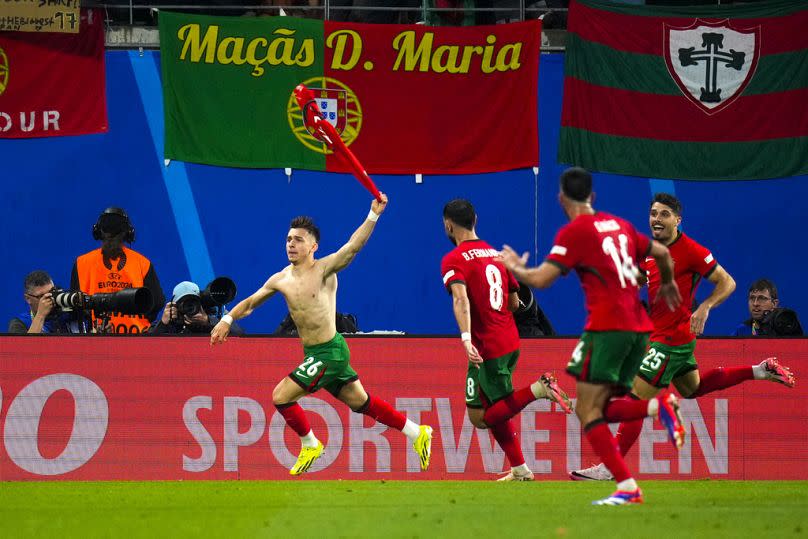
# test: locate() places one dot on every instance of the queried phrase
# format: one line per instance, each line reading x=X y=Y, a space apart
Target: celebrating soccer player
x=484 y=298
x=670 y=357
x=310 y=289
x=603 y=250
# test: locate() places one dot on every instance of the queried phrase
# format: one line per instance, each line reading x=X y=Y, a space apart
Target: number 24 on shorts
x=309 y=367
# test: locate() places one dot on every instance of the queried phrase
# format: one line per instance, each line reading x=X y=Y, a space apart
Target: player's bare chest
x=306 y=288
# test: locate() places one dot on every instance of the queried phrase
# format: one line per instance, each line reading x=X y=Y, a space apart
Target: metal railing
x=131 y=23
x=407 y=11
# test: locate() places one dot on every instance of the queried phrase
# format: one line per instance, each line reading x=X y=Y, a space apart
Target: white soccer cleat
x=598 y=472
x=621 y=497
x=517 y=476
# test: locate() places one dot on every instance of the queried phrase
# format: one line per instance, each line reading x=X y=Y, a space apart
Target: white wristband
x=227 y=319
x=465 y=336
x=373 y=216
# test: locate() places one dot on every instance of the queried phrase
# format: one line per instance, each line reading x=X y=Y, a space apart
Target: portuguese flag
x=706 y=92
x=405 y=99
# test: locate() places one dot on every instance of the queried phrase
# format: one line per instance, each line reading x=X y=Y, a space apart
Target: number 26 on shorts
x=309 y=368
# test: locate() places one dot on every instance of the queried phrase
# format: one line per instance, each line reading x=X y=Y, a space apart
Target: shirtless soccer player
x=670 y=357
x=309 y=286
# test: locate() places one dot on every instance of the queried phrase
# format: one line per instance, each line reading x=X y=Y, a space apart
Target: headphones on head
x=129 y=236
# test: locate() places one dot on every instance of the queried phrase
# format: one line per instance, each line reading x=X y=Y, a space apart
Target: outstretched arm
x=345 y=255
x=244 y=308
x=724 y=286
x=540 y=277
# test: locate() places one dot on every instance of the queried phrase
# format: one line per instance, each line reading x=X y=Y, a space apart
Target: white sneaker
x=518 y=476
x=598 y=472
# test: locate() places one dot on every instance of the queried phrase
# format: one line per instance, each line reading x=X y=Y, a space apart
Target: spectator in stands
x=311 y=9
x=459 y=12
x=185 y=314
x=767 y=318
x=41 y=316
x=557 y=18
x=360 y=13
x=114 y=267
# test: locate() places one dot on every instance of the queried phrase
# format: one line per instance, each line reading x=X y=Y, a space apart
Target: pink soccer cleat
x=777 y=373
x=555 y=393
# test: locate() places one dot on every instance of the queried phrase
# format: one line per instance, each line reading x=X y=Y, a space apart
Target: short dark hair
x=670 y=201
x=461 y=212
x=306 y=223
x=576 y=183
x=764 y=284
x=36 y=278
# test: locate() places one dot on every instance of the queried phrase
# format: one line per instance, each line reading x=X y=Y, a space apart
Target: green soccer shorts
x=327 y=366
x=663 y=363
x=493 y=381
x=608 y=357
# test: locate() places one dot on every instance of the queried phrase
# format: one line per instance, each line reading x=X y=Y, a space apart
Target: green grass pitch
x=389 y=509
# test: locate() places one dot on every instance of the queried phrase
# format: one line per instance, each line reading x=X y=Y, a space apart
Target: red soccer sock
x=627 y=435
x=505 y=435
x=602 y=441
x=508 y=407
x=722 y=378
x=381 y=411
x=295 y=417
x=625 y=409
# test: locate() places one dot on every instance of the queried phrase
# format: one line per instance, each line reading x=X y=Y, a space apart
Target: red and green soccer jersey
x=691 y=263
x=604 y=250
x=488 y=283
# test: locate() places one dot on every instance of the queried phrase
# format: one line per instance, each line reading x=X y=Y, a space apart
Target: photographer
x=530 y=319
x=767 y=318
x=114 y=267
x=42 y=316
x=185 y=314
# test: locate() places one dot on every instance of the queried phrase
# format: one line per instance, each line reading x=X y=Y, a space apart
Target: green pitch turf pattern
x=388 y=509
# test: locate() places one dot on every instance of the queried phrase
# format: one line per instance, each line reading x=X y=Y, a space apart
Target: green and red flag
x=704 y=92
x=405 y=99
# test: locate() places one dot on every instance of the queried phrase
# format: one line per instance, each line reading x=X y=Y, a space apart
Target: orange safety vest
x=95 y=277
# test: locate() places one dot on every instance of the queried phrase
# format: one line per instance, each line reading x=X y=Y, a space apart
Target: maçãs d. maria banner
x=405 y=98
x=704 y=92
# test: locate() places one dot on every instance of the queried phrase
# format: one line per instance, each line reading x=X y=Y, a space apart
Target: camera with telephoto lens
x=780 y=322
x=126 y=301
x=219 y=291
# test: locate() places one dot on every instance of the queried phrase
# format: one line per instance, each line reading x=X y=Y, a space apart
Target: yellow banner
x=60 y=16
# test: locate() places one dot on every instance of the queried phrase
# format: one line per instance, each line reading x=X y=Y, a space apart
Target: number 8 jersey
x=604 y=249
x=488 y=283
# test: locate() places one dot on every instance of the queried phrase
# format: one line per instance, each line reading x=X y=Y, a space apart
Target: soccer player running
x=603 y=248
x=670 y=356
x=309 y=286
x=484 y=298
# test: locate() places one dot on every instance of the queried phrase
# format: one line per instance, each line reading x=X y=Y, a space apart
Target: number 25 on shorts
x=652 y=360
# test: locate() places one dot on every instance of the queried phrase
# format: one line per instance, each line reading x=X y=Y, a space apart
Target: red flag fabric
x=53 y=84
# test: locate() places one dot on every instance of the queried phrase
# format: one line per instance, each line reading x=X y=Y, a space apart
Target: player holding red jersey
x=602 y=249
x=670 y=356
x=484 y=298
